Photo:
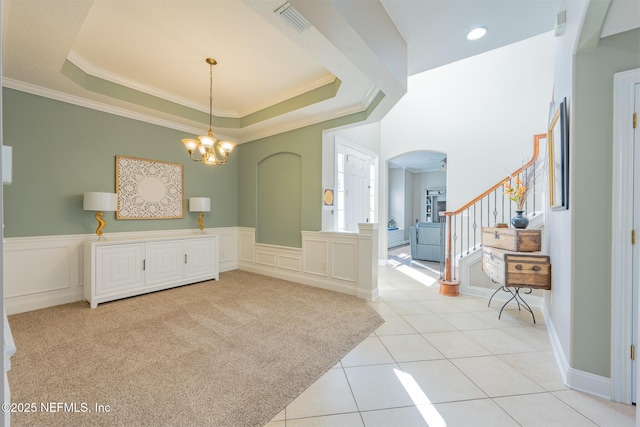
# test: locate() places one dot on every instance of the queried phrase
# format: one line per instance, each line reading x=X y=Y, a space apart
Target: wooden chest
x=512 y=239
x=526 y=270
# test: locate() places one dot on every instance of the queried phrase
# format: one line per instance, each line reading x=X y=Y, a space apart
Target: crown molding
x=105 y=108
x=103 y=74
x=289 y=126
x=124 y=112
x=301 y=90
x=100 y=73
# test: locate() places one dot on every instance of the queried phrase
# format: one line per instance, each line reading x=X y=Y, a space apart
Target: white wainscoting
x=45 y=271
x=341 y=262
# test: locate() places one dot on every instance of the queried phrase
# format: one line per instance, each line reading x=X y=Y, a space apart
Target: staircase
x=462 y=228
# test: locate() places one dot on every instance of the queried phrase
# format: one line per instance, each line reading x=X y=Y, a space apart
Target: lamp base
x=101 y=224
x=201 y=222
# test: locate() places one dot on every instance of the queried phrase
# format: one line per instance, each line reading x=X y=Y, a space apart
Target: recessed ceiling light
x=476 y=33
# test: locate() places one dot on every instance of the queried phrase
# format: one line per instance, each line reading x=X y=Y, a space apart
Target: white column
x=368 y=261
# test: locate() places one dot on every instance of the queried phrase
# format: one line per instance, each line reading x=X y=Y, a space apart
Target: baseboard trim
x=558 y=353
x=300 y=278
x=575 y=379
x=589 y=383
x=38 y=301
x=225 y=266
x=369 y=295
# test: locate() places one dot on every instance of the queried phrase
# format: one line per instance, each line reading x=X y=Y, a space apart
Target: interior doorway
x=625 y=257
x=416 y=194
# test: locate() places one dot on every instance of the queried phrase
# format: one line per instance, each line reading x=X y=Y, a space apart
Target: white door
x=635 y=248
x=356 y=190
x=355 y=182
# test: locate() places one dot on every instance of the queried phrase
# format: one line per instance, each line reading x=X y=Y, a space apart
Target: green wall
x=591 y=141
x=279 y=179
x=62 y=150
x=307 y=144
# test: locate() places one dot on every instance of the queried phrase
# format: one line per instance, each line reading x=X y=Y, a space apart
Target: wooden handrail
x=449 y=214
x=536 y=152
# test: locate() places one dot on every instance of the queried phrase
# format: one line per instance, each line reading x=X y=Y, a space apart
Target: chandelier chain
x=210 y=97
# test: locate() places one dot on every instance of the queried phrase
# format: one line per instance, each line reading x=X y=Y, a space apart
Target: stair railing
x=461 y=229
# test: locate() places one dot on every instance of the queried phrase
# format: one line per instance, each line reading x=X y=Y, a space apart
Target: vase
x=520 y=221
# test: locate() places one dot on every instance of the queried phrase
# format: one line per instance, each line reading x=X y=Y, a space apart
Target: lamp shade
x=199 y=204
x=97 y=201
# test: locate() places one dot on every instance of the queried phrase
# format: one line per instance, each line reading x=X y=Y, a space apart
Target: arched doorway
x=416 y=194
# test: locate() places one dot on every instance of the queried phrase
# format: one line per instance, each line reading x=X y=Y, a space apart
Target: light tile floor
x=447 y=361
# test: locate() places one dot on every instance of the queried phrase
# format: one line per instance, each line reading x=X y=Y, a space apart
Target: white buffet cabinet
x=116 y=269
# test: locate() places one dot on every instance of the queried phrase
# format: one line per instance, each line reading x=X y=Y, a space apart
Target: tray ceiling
x=146 y=59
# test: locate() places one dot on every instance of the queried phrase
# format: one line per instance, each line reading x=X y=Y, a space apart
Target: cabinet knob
x=496 y=236
x=536 y=268
x=518 y=266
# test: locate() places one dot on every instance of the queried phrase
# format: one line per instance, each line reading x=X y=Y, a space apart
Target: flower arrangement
x=517 y=193
x=519 y=187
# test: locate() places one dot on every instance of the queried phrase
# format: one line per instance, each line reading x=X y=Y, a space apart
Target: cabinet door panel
x=164 y=262
x=201 y=257
x=119 y=268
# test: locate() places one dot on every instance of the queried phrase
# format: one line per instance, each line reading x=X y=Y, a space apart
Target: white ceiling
x=164 y=47
x=435 y=30
x=420 y=161
x=159 y=47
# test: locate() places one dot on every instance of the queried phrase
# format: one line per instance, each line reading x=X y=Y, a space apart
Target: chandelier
x=207 y=149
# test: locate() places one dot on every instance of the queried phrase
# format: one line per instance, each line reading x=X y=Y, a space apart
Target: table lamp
x=100 y=202
x=202 y=205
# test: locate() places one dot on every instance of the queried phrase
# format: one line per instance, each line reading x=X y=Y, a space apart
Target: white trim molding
x=574 y=378
x=341 y=262
x=622 y=224
x=558 y=353
x=58 y=278
x=589 y=383
x=274 y=126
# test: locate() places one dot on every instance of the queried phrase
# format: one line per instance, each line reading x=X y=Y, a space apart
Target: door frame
x=340 y=146
x=622 y=224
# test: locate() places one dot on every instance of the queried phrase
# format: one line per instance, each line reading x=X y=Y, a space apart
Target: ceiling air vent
x=293 y=17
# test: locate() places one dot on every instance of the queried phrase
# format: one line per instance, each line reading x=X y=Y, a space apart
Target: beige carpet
x=227 y=353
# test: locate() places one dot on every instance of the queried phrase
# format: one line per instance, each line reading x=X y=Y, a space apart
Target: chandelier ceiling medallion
x=207 y=149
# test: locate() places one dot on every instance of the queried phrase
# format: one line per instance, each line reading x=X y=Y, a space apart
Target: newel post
x=368 y=261
x=448 y=286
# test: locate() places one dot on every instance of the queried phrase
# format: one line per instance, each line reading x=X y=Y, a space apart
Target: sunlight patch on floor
x=416 y=275
x=429 y=412
x=393 y=263
x=426 y=267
